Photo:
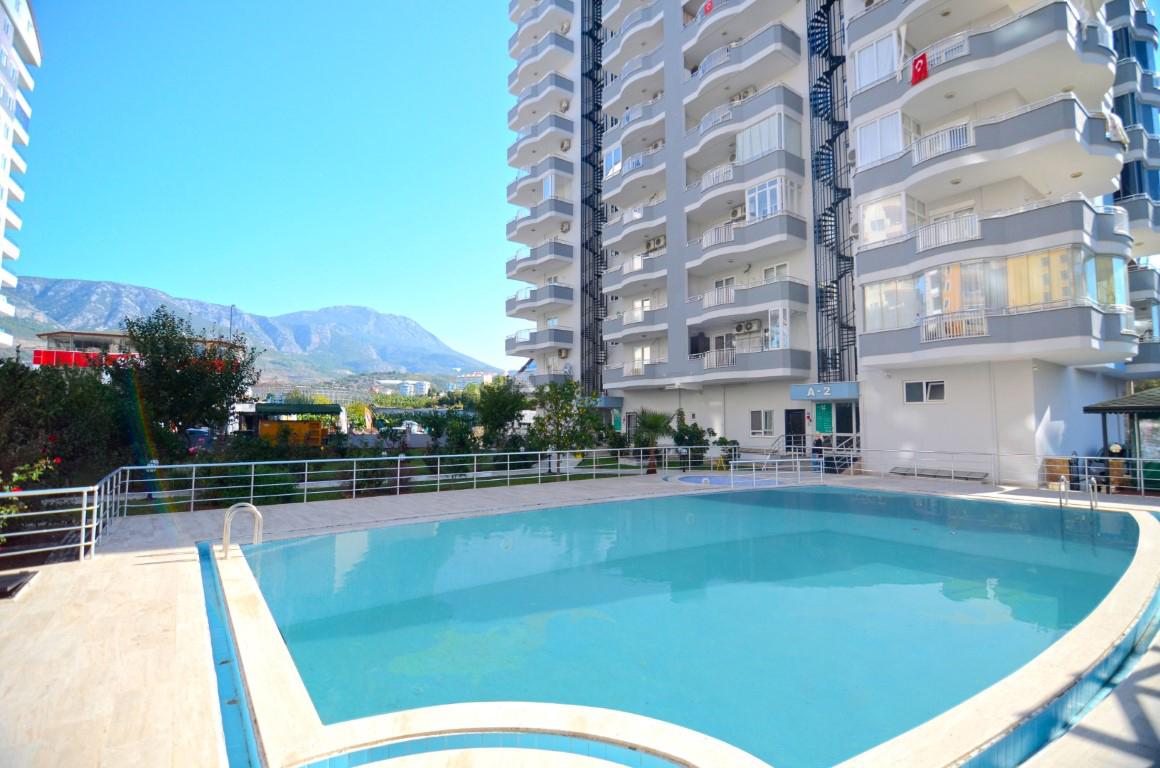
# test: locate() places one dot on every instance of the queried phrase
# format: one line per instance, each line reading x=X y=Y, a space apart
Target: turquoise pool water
x=802 y=625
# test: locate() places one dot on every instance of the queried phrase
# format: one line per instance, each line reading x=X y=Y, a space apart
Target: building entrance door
x=795 y=430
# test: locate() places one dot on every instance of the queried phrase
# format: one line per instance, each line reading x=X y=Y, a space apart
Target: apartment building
x=547 y=118
x=708 y=248
x=19 y=49
x=992 y=255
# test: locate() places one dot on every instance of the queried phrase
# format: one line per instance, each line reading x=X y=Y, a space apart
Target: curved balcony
x=528 y=186
x=545 y=15
x=719 y=190
x=535 y=101
x=527 y=343
x=637 y=118
x=1066 y=333
x=724 y=305
x=1049 y=223
x=1132 y=78
x=639 y=175
x=517 y=8
x=774 y=235
x=634 y=226
x=1143 y=285
x=637 y=323
x=545 y=138
x=762 y=57
x=728 y=20
x=716 y=132
x=640 y=273
x=1038 y=141
x=636 y=373
x=640 y=79
x=550 y=54
x=974 y=65
x=641 y=32
x=545 y=220
x=545 y=258
x=1145 y=364
x=1144 y=220
x=1129 y=13
x=550 y=377
x=1142 y=146
x=924 y=19
x=743 y=364
x=616 y=11
x=530 y=302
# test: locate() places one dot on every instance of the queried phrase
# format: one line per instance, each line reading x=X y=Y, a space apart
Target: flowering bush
x=17 y=479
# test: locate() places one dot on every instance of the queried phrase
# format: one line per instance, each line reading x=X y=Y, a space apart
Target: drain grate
x=12 y=583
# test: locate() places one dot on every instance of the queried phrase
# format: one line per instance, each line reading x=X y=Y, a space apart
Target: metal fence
x=58 y=522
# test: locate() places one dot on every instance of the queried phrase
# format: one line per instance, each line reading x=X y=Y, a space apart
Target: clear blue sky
x=261 y=154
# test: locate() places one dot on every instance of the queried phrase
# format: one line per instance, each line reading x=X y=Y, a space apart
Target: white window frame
x=927 y=386
x=869 y=70
x=768 y=428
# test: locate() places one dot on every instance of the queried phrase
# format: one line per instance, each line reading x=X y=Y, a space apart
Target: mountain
x=300 y=346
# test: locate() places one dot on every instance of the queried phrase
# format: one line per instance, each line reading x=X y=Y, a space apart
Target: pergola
x=1144 y=404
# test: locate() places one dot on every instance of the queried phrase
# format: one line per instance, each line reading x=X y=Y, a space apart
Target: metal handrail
x=1063 y=500
x=230 y=518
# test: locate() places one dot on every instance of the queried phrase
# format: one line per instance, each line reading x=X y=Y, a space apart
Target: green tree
x=356 y=416
x=500 y=404
x=651 y=426
x=178 y=379
x=567 y=418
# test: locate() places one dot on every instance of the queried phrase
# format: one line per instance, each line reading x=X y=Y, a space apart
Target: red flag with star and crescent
x=918 y=69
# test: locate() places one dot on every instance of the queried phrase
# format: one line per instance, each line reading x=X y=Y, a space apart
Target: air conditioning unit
x=655 y=244
x=565 y=28
x=739 y=328
x=854 y=229
x=748 y=93
x=752 y=326
x=851 y=155
x=566 y=226
x=564 y=105
x=562 y=353
x=565 y=145
x=737 y=213
x=737 y=98
x=656 y=145
x=733 y=157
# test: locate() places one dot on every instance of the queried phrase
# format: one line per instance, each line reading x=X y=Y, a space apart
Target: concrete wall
x=723 y=407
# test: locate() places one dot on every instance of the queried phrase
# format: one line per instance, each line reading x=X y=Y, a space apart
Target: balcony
x=716 y=131
x=1132 y=78
x=924 y=17
x=639 y=79
x=1134 y=13
x=732 y=303
x=543 y=221
x=1146 y=363
x=528 y=186
x=557 y=376
x=634 y=120
x=536 y=21
x=726 y=20
x=1142 y=146
x=641 y=32
x=773 y=235
x=763 y=57
x=635 y=373
x=530 y=302
x=1065 y=220
x=547 y=257
x=1066 y=333
x=644 y=169
x=635 y=226
x=1144 y=220
x=718 y=190
x=1054 y=143
x=1143 y=285
x=641 y=272
x=537 y=100
x=550 y=136
x=640 y=323
x=748 y=363
x=1042 y=44
x=550 y=54
x=527 y=343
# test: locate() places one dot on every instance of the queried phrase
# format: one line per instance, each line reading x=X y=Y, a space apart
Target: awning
x=1146 y=403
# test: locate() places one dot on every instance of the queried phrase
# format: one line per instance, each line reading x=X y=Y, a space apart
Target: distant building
x=19 y=48
x=411 y=388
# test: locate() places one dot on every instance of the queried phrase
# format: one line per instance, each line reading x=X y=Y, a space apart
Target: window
x=612 y=158
x=552 y=322
x=924 y=391
x=771 y=197
x=761 y=424
x=876 y=61
x=880 y=138
x=776 y=132
x=778 y=332
x=882 y=219
x=776 y=272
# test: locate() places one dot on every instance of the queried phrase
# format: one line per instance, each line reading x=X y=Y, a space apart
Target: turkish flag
x=918 y=69
x=707 y=8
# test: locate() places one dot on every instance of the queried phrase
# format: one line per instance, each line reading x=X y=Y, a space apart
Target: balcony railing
x=722 y=233
x=1121 y=222
x=714 y=116
x=941 y=142
x=718 y=358
x=945 y=50
x=718 y=296
x=968 y=324
x=955 y=230
x=712 y=61
x=715 y=176
x=707 y=8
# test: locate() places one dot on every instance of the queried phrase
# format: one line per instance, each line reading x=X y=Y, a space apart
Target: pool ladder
x=230 y=518
x=1092 y=487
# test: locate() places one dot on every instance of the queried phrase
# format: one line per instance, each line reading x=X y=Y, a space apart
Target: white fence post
x=305 y=480
x=193 y=488
x=354 y=481
x=253 y=469
x=84 y=512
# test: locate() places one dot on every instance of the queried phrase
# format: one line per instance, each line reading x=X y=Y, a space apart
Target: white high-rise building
x=19 y=49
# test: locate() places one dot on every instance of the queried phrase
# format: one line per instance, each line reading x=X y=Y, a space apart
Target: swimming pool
x=803 y=626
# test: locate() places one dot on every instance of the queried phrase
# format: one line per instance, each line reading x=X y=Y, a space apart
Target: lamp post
x=232 y=321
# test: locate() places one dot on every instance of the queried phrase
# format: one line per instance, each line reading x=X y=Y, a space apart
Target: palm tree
x=650 y=426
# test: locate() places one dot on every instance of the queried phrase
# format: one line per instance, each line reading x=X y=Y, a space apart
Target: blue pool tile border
x=237 y=724
x=1051 y=722
x=613 y=753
